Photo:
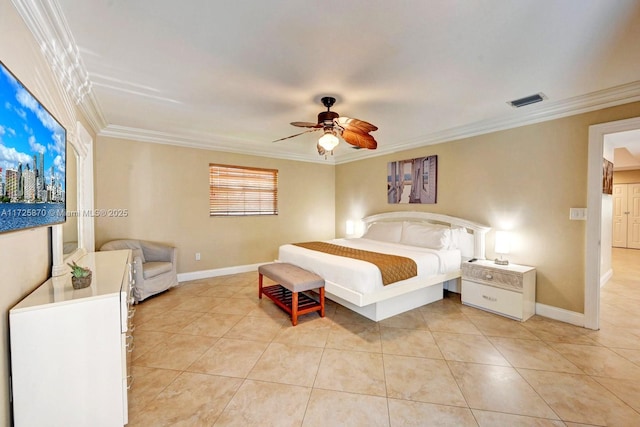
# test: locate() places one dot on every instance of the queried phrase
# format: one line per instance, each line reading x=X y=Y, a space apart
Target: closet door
x=633 y=222
x=619 y=238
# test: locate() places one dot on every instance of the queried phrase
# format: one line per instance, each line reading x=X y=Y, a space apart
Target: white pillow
x=425 y=236
x=384 y=231
x=457 y=233
x=466 y=244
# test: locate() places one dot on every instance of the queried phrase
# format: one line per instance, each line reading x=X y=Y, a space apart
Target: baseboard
x=205 y=274
x=605 y=277
x=560 y=314
x=551 y=312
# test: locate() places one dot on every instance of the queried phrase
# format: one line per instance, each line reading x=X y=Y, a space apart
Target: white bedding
x=362 y=276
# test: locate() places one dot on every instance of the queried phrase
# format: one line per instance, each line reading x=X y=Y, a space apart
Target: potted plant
x=80 y=276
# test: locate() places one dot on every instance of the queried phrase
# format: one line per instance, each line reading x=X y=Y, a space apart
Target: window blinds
x=238 y=191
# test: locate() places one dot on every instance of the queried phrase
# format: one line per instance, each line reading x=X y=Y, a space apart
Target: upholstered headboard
x=478 y=231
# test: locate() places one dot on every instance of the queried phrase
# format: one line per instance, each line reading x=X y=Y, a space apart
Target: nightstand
x=508 y=290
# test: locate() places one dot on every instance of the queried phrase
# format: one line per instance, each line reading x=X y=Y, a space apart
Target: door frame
x=593 y=250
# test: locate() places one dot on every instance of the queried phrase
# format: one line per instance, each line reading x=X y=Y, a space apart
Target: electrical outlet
x=197 y=256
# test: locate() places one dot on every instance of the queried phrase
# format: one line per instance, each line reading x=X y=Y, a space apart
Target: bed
x=437 y=243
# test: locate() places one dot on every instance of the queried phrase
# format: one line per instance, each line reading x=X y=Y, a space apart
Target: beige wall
x=626 y=177
x=166 y=192
x=523 y=180
x=25 y=259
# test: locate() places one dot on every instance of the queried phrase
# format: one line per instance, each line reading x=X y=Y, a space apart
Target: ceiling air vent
x=532 y=99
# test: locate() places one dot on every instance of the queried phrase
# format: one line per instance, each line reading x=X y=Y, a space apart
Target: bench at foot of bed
x=291 y=281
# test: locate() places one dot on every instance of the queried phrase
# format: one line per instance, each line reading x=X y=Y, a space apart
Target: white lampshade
x=351 y=227
x=328 y=141
x=503 y=242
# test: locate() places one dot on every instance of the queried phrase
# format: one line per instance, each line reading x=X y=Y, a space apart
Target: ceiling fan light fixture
x=328 y=141
x=353 y=131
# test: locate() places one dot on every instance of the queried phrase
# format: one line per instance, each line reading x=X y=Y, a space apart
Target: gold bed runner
x=392 y=267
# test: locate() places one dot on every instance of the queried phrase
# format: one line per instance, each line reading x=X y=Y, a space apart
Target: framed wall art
x=607 y=177
x=413 y=181
x=33 y=153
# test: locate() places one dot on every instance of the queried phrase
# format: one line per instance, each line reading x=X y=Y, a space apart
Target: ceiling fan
x=353 y=131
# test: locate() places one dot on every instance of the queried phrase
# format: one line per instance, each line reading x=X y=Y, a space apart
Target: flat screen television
x=33 y=150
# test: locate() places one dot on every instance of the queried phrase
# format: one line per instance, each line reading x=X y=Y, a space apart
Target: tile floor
x=209 y=353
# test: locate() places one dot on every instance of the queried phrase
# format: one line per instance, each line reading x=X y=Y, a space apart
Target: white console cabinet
x=69 y=348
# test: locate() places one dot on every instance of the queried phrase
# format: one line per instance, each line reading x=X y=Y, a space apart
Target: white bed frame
x=394 y=300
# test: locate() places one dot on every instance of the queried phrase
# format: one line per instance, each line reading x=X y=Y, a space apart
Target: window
x=238 y=191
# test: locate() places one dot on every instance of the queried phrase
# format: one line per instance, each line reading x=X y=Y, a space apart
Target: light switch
x=578 y=214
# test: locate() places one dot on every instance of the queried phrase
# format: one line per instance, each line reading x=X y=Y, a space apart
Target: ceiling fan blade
x=292 y=136
x=306 y=125
x=355 y=124
x=363 y=140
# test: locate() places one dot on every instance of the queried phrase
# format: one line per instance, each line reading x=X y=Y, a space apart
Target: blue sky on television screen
x=28 y=129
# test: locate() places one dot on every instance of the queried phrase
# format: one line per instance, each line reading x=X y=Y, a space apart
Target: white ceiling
x=231 y=75
x=626 y=149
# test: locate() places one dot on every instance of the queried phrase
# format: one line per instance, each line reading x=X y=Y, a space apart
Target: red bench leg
x=260 y=285
x=294 y=308
x=321 y=302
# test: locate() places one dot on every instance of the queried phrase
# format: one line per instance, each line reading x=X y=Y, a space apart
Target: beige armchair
x=154 y=266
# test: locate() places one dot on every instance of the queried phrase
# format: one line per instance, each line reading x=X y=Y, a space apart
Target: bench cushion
x=291 y=277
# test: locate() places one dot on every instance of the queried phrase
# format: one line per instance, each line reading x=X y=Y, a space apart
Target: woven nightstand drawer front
x=494 y=277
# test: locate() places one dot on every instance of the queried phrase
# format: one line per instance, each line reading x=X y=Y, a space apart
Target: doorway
x=595 y=226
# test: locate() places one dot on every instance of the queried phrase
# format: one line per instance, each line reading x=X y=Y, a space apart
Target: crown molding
x=535 y=113
x=626 y=168
x=204 y=143
x=92 y=112
x=49 y=27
